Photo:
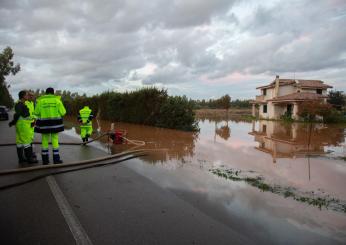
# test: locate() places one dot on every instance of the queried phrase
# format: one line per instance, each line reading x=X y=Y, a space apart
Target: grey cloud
x=295 y=17
x=286 y=39
x=170 y=74
x=194 y=12
x=77 y=44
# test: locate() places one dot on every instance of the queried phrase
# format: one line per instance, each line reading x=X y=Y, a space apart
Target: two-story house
x=283 y=96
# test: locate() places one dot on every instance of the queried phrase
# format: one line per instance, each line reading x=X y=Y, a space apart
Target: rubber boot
x=28 y=155
x=56 y=157
x=20 y=154
x=33 y=153
x=45 y=159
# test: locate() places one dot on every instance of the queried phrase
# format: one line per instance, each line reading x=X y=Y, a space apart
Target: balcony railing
x=259 y=98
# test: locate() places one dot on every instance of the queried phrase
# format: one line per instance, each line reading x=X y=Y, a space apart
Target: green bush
x=334 y=116
x=177 y=112
x=149 y=106
x=287 y=117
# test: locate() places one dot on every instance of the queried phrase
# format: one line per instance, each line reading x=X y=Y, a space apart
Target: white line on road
x=75 y=226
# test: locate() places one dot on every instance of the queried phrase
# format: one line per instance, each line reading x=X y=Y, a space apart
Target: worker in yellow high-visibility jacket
x=22 y=120
x=85 y=117
x=49 y=112
x=30 y=103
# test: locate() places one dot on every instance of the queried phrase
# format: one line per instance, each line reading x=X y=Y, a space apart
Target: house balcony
x=259 y=99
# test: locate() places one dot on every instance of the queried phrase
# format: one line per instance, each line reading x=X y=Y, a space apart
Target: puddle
x=300 y=157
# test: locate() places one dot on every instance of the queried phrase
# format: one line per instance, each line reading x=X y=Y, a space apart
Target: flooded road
x=274 y=182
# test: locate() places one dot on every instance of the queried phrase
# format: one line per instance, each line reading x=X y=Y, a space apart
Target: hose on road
x=98 y=164
x=135 y=142
x=85 y=164
x=66 y=165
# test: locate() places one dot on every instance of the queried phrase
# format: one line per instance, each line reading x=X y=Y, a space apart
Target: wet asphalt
x=113 y=204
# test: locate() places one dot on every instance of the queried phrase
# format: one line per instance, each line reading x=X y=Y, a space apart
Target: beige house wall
x=279 y=111
x=295 y=111
x=284 y=90
x=306 y=90
x=269 y=95
x=261 y=113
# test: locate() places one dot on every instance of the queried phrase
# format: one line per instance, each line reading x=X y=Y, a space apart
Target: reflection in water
x=169 y=144
x=220 y=118
x=227 y=144
x=292 y=140
x=223 y=131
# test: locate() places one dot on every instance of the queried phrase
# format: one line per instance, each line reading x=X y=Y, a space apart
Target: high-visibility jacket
x=31 y=107
x=22 y=121
x=49 y=112
x=85 y=116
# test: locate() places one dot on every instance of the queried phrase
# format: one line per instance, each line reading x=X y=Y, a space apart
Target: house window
x=264 y=128
x=264 y=92
x=264 y=108
x=319 y=91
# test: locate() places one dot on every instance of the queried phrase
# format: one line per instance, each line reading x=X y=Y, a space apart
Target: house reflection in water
x=223 y=131
x=292 y=140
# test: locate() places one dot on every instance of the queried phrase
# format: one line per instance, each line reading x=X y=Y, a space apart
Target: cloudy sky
x=198 y=48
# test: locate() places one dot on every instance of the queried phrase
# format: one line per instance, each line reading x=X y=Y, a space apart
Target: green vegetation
x=241 y=104
x=310 y=198
x=7 y=67
x=287 y=117
x=248 y=118
x=224 y=102
x=337 y=99
x=148 y=106
x=311 y=111
x=331 y=112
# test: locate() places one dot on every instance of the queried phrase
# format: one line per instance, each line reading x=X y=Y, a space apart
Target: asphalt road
x=107 y=205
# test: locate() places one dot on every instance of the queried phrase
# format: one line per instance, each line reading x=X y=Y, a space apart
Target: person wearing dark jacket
x=22 y=121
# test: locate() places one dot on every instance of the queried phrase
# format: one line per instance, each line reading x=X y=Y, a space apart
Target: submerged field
x=281 y=183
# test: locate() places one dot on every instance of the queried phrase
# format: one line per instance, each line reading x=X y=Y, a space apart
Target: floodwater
x=213 y=170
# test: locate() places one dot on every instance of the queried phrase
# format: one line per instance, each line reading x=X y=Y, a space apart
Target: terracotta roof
x=312 y=84
x=298 y=97
x=282 y=82
x=299 y=83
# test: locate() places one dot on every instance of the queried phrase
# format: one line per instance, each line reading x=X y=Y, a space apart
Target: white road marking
x=72 y=221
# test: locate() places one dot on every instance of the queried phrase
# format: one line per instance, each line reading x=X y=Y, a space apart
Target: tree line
x=148 y=106
x=224 y=102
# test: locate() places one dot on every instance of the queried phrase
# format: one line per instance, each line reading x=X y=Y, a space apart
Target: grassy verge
x=222 y=114
x=309 y=198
